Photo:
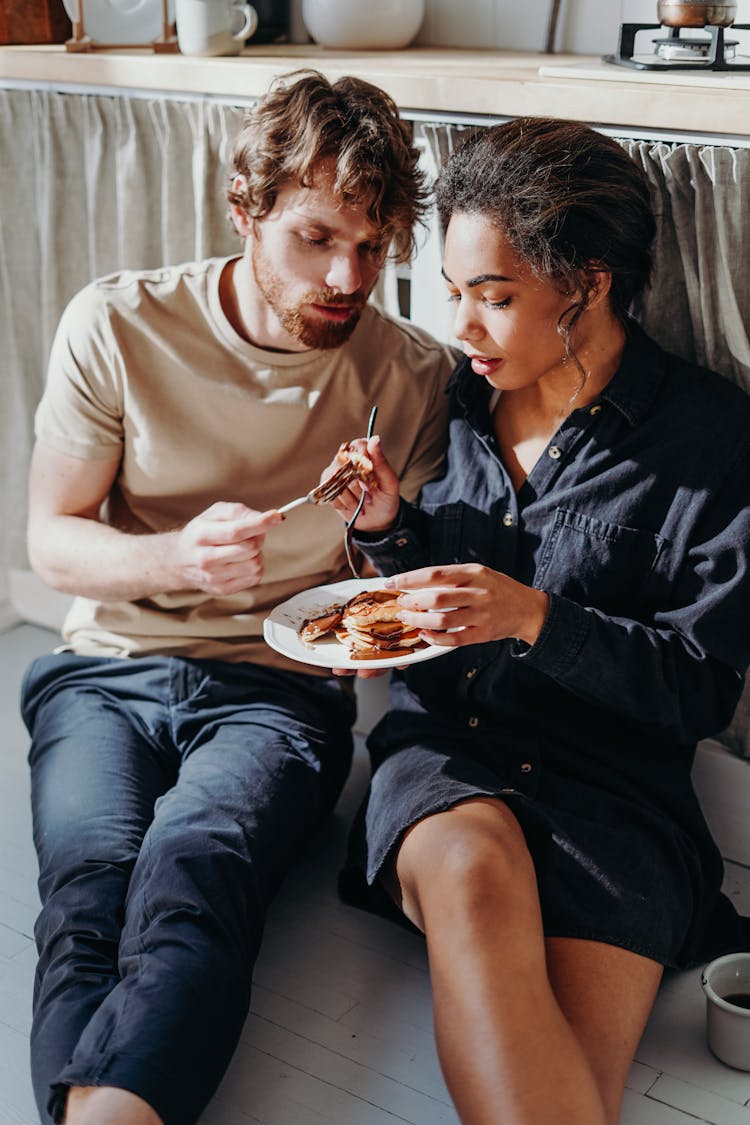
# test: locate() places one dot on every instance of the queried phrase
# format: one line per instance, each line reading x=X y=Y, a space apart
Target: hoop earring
x=564 y=330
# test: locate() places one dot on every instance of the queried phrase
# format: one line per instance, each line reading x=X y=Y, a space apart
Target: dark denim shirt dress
x=636 y=521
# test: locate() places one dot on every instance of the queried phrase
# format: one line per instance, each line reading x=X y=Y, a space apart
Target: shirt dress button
x=473 y=721
x=595 y=409
x=508 y=519
x=471 y=673
x=526 y=767
x=401 y=542
x=555 y=452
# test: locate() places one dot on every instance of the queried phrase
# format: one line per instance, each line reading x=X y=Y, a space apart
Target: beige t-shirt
x=147 y=367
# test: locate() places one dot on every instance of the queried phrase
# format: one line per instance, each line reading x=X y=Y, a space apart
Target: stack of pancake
x=367 y=625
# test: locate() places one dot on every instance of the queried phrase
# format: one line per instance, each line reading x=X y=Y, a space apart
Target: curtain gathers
x=699 y=302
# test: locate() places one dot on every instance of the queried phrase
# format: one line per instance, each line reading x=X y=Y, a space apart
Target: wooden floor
x=340 y=1028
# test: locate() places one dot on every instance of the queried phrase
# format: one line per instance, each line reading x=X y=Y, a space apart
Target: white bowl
x=363 y=24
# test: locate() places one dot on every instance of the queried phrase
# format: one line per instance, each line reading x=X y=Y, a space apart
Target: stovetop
x=734 y=75
x=652 y=47
x=599 y=70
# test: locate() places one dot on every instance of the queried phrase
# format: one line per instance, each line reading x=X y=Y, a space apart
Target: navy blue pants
x=169 y=798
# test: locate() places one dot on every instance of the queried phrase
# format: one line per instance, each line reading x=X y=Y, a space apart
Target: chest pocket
x=599 y=564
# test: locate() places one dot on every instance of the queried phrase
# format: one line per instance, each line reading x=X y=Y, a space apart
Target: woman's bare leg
x=107 y=1105
x=606 y=994
x=509 y=1051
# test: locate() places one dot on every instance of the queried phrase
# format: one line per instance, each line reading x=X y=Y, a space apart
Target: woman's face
x=505 y=317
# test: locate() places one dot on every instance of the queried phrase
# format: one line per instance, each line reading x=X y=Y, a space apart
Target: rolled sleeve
x=562 y=640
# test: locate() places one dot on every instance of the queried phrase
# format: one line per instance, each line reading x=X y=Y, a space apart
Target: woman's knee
x=465 y=858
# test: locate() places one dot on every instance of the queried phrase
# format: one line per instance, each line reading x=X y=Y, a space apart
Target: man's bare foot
x=107 y=1105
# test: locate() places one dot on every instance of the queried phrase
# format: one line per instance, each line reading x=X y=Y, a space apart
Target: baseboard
x=9 y=617
x=36 y=602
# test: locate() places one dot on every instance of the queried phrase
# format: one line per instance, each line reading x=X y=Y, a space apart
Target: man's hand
x=468 y=604
x=220 y=551
x=381 y=502
x=361 y=674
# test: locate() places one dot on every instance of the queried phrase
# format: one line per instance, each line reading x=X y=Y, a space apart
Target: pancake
x=367 y=625
x=316 y=627
x=370 y=607
x=361 y=464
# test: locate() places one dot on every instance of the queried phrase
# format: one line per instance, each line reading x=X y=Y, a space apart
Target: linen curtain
x=90 y=184
x=699 y=302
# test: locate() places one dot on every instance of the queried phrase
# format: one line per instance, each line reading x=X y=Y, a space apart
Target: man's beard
x=311 y=331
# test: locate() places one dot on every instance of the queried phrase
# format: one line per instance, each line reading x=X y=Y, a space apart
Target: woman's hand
x=381 y=501
x=468 y=604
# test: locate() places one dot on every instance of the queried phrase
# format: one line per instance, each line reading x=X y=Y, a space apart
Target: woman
x=584 y=560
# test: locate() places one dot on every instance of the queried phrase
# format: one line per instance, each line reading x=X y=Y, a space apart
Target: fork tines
x=334 y=486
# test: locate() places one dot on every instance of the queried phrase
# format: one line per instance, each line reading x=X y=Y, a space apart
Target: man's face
x=315 y=261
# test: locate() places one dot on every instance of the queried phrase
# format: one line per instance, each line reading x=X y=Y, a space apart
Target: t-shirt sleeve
x=80 y=412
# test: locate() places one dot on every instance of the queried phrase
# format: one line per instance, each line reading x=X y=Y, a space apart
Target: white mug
x=214 y=27
x=726 y=983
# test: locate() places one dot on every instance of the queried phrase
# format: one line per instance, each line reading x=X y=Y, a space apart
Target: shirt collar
x=634 y=386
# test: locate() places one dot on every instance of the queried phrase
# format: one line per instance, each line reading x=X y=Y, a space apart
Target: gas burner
x=683 y=48
x=677 y=52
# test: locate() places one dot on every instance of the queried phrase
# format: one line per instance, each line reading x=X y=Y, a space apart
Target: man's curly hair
x=305 y=119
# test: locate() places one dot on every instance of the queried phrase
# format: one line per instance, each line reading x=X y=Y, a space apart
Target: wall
x=584 y=26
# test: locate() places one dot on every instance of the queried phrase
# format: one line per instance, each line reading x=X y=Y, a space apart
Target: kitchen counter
x=427 y=80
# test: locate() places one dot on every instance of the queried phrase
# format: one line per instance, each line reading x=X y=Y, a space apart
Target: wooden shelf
x=425 y=79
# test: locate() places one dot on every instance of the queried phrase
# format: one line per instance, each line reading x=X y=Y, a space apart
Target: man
x=177 y=762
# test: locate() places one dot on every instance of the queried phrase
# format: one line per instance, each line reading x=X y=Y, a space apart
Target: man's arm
x=220 y=551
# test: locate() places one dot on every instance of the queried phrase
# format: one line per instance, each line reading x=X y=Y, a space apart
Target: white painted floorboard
x=340 y=1031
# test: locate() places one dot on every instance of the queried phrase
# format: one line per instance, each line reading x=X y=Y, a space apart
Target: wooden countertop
x=427 y=79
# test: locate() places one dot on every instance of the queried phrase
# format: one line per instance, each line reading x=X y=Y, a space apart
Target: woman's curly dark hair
x=305 y=119
x=569 y=200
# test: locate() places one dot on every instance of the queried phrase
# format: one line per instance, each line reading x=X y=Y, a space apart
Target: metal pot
x=695 y=13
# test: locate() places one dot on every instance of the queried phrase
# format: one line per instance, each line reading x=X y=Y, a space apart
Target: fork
x=349 y=525
x=326 y=491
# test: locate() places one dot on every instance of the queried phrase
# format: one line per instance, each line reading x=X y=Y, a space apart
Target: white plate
x=280 y=629
x=121 y=21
